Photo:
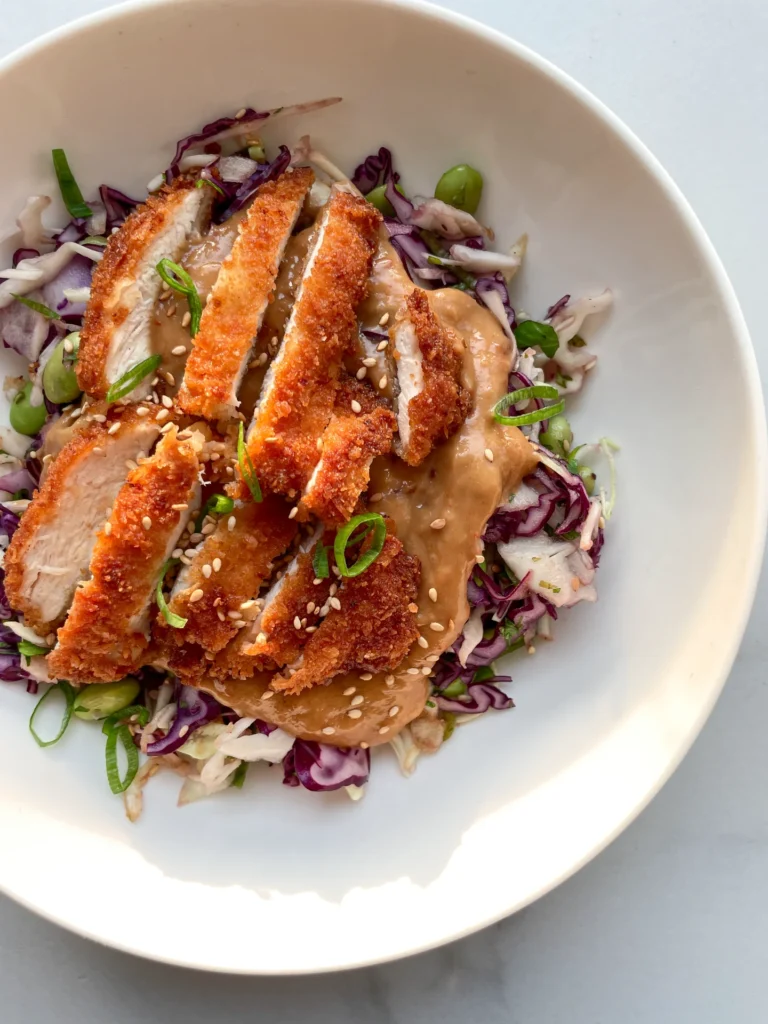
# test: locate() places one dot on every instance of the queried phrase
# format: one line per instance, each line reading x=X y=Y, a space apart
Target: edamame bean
x=589 y=478
x=462 y=187
x=59 y=378
x=102 y=699
x=558 y=436
x=27 y=418
x=455 y=689
x=378 y=198
x=256 y=152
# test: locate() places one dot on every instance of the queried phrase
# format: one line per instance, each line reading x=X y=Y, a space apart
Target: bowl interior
x=277 y=881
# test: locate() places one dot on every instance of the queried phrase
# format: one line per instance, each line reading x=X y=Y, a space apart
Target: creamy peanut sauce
x=457 y=483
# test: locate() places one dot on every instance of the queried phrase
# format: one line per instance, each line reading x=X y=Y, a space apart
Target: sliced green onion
x=124 y=385
x=245 y=463
x=177 y=278
x=116 y=784
x=95 y=240
x=208 y=181
x=118 y=718
x=38 y=307
x=29 y=650
x=218 y=504
x=450 y=724
x=531 y=332
x=173 y=620
x=368 y=557
x=456 y=689
x=70 y=192
x=238 y=775
x=320 y=562
x=68 y=693
x=525 y=394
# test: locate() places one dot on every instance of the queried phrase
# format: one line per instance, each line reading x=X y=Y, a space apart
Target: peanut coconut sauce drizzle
x=457 y=489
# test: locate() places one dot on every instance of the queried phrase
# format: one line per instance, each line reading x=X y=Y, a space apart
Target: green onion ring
x=320 y=562
x=38 y=307
x=131 y=378
x=70 y=191
x=122 y=733
x=368 y=557
x=525 y=394
x=245 y=463
x=120 y=717
x=69 y=697
x=172 y=619
x=177 y=278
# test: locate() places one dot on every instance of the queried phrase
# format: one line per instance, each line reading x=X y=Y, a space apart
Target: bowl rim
x=753 y=398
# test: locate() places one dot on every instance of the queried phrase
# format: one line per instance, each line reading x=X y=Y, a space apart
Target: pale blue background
x=670 y=924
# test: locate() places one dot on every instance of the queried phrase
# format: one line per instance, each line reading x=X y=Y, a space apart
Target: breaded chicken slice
x=431 y=401
x=298 y=396
x=244 y=287
x=52 y=547
x=360 y=429
x=372 y=628
x=228 y=570
x=106 y=633
x=291 y=609
x=116 y=333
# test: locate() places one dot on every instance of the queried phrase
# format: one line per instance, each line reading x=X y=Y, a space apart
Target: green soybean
x=378 y=198
x=462 y=187
x=59 y=378
x=27 y=418
x=558 y=436
x=256 y=152
x=455 y=689
x=102 y=699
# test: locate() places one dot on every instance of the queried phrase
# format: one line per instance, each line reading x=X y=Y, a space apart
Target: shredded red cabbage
x=488 y=283
x=323 y=768
x=375 y=170
x=207 y=132
x=194 y=708
x=245 y=192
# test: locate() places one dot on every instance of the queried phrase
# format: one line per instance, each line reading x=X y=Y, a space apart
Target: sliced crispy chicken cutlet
x=360 y=429
x=372 y=630
x=52 y=547
x=228 y=570
x=431 y=401
x=244 y=287
x=292 y=606
x=105 y=635
x=116 y=333
x=299 y=390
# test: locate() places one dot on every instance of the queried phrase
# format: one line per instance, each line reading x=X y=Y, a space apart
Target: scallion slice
x=245 y=463
x=173 y=620
x=124 y=385
x=68 y=693
x=218 y=504
x=70 y=192
x=320 y=562
x=177 y=278
x=122 y=733
x=38 y=307
x=117 y=718
x=28 y=650
x=208 y=181
x=525 y=394
x=343 y=536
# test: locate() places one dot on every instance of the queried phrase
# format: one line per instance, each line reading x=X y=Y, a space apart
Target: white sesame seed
x=168 y=426
x=375 y=497
x=361 y=373
x=216 y=563
x=68 y=346
x=381 y=346
x=336 y=571
x=384 y=320
x=393 y=711
x=162 y=414
x=185 y=321
x=369 y=361
x=433 y=657
x=231 y=523
x=489 y=454
x=316 y=582
x=208 y=529
x=296 y=622
x=247 y=605
x=262 y=358
x=480 y=559
x=335 y=603
x=75 y=413
x=423 y=642
x=167 y=402
x=328 y=730
x=383 y=382
x=531 y=649
x=432 y=594
x=311 y=629
x=355 y=713
x=349 y=691
x=268 y=694
x=184 y=560
x=183 y=730
x=130 y=464
x=195 y=538
x=383 y=730
x=261 y=638
x=366 y=676
x=177 y=553
x=357 y=700
x=240 y=113
x=438 y=627
x=207 y=570
x=221 y=615
x=190 y=552
x=601 y=522
x=310 y=607
x=179 y=350
x=413 y=672
x=107 y=528
x=437 y=524
x=235 y=614
x=146 y=522
x=355 y=405
x=293 y=513
x=99 y=417
x=413 y=607
x=426 y=670
x=324 y=610
x=195 y=596
x=332 y=590
x=390 y=681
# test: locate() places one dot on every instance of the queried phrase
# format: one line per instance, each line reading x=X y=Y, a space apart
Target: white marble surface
x=671 y=922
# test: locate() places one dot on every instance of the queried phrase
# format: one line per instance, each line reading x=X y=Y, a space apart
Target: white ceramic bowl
x=272 y=880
